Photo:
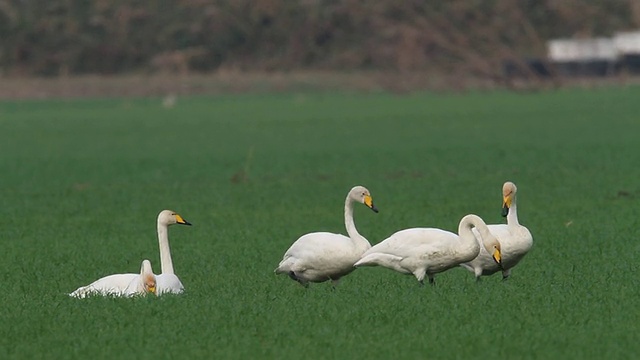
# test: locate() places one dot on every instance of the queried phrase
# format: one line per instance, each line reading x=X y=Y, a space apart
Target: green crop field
x=82 y=181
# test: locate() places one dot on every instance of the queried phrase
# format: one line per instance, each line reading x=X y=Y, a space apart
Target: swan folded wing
x=320 y=249
x=318 y=241
x=406 y=242
x=168 y=283
x=380 y=259
x=135 y=287
x=438 y=258
x=114 y=285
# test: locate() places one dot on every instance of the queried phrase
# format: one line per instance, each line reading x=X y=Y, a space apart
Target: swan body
x=515 y=239
x=322 y=256
x=167 y=281
x=121 y=284
x=428 y=251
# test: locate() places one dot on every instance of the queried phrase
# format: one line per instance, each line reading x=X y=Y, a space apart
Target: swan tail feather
x=285 y=266
x=81 y=292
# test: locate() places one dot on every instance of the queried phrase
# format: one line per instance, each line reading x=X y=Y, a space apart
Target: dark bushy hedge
x=464 y=36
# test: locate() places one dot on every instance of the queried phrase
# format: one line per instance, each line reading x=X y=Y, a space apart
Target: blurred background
x=156 y=47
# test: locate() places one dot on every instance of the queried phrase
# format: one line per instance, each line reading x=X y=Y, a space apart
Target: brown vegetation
x=462 y=40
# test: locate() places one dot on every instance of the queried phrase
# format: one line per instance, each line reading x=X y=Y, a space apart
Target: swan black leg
x=505 y=274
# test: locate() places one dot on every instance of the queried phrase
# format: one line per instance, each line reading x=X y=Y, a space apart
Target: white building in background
x=568 y=50
x=596 y=56
x=627 y=43
x=601 y=56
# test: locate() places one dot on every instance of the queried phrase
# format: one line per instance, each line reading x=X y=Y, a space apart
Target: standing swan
x=121 y=284
x=428 y=251
x=167 y=281
x=516 y=240
x=322 y=256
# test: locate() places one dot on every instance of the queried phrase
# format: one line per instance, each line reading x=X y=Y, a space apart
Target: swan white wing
x=108 y=285
x=168 y=283
x=135 y=287
x=320 y=242
x=410 y=242
x=390 y=261
x=319 y=250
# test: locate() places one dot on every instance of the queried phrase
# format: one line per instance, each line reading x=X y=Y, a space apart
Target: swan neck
x=487 y=239
x=166 y=264
x=466 y=235
x=512 y=215
x=351 y=226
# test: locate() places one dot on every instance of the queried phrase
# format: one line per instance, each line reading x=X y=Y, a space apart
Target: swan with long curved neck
x=322 y=256
x=516 y=240
x=428 y=251
x=121 y=284
x=167 y=281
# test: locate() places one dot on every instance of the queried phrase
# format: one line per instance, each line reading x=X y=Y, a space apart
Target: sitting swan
x=121 y=284
x=167 y=281
x=322 y=256
x=516 y=240
x=144 y=283
x=428 y=251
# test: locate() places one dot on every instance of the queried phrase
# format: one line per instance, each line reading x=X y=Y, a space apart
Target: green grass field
x=81 y=184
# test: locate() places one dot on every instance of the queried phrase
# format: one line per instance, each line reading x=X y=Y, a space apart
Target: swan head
x=362 y=195
x=496 y=253
x=169 y=217
x=508 y=195
x=148 y=277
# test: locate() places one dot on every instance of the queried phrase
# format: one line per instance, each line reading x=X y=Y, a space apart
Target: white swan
x=121 y=284
x=322 y=256
x=143 y=283
x=167 y=281
x=515 y=239
x=428 y=251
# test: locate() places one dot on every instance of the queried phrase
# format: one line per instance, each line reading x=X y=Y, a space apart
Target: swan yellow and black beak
x=369 y=202
x=152 y=289
x=506 y=204
x=181 y=221
x=497 y=257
